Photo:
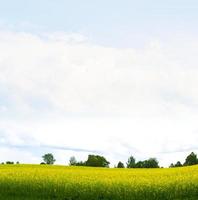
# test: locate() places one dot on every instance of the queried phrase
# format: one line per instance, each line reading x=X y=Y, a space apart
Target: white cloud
x=65 y=91
x=14 y=154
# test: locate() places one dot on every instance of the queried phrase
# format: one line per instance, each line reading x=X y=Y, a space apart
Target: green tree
x=191 y=159
x=120 y=165
x=9 y=162
x=72 y=161
x=81 y=163
x=178 y=164
x=171 y=165
x=151 y=163
x=139 y=164
x=131 y=162
x=48 y=159
x=97 y=161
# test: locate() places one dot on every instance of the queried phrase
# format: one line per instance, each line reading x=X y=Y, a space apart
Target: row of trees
x=92 y=161
x=100 y=161
x=10 y=163
x=131 y=163
x=191 y=159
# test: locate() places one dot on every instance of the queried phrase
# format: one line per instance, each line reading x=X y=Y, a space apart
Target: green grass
x=37 y=182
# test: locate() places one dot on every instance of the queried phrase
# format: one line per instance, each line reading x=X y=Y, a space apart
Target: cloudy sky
x=115 y=78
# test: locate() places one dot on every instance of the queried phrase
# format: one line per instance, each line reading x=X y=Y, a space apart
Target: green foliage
x=150 y=163
x=97 y=161
x=178 y=164
x=9 y=162
x=191 y=159
x=120 y=165
x=171 y=165
x=48 y=159
x=72 y=161
x=139 y=164
x=80 y=163
x=131 y=162
x=92 y=161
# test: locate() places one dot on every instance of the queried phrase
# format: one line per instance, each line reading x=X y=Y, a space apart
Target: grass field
x=83 y=183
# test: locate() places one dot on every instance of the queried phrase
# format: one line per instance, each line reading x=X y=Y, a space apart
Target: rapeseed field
x=85 y=183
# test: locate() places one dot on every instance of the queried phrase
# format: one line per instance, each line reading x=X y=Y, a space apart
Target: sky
x=114 y=78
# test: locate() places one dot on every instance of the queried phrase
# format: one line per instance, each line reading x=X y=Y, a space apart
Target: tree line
x=100 y=161
x=191 y=159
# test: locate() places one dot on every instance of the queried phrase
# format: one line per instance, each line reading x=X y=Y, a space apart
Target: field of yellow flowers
x=86 y=183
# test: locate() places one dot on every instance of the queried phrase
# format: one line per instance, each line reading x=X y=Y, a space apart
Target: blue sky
x=109 y=77
x=114 y=23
